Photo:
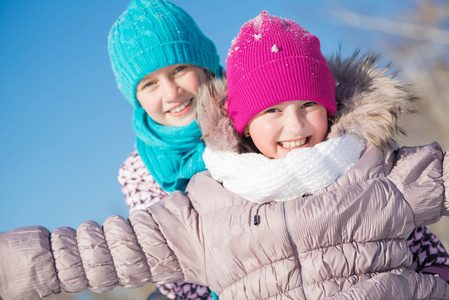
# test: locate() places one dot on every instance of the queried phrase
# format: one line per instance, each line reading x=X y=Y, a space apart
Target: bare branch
x=409 y=30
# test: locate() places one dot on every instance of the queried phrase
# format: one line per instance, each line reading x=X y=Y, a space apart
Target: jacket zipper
x=303 y=281
x=256 y=218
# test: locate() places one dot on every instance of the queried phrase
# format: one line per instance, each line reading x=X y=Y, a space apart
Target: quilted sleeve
x=137 y=184
x=180 y=224
x=35 y=264
x=26 y=265
x=418 y=174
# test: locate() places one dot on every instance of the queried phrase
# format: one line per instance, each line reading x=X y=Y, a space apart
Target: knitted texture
x=273 y=60
x=260 y=179
x=137 y=184
x=152 y=34
x=172 y=154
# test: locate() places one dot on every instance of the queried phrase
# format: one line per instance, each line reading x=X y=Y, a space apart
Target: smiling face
x=289 y=125
x=169 y=94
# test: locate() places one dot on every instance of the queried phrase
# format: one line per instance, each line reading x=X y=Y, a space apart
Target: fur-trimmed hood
x=369 y=100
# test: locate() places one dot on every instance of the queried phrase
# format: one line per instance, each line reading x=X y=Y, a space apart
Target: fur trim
x=369 y=101
x=369 y=104
x=217 y=128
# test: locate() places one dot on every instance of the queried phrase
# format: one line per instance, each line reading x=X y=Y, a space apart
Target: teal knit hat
x=152 y=34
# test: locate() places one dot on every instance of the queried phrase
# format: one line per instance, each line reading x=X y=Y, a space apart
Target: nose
x=170 y=89
x=294 y=122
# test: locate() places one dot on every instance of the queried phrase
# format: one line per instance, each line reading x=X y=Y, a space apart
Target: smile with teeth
x=293 y=144
x=180 y=107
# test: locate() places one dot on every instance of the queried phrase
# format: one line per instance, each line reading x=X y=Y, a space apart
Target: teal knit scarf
x=172 y=154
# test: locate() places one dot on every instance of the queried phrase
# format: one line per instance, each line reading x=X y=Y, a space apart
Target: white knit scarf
x=303 y=171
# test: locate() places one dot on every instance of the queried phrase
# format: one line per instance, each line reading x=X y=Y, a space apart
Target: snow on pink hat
x=273 y=60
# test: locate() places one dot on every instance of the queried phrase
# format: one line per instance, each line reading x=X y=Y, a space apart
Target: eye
x=271 y=110
x=148 y=84
x=308 y=104
x=179 y=69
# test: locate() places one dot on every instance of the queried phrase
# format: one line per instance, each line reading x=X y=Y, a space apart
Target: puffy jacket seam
x=119 y=281
x=50 y=246
x=283 y=292
x=255 y=270
x=145 y=254
x=403 y=198
x=223 y=208
x=82 y=276
x=168 y=246
x=295 y=250
x=359 y=274
x=332 y=189
x=141 y=249
x=351 y=242
x=204 y=251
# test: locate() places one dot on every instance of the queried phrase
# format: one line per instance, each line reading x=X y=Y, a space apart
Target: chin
x=183 y=122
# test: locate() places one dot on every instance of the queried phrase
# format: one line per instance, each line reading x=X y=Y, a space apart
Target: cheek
x=192 y=82
x=147 y=102
x=320 y=125
x=151 y=104
x=264 y=133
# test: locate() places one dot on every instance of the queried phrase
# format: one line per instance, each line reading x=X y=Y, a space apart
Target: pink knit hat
x=271 y=61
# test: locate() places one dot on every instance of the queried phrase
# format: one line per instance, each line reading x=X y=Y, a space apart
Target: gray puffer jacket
x=346 y=241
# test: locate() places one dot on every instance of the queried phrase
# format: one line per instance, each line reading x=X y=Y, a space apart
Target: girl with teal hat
x=328 y=219
x=152 y=41
x=160 y=57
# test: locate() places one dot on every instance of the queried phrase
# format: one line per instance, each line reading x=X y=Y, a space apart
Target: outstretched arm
x=35 y=264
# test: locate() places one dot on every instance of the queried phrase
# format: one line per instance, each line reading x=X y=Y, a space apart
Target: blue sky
x=65 y=129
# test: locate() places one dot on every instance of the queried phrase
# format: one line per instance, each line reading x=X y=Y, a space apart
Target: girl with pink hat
x=307 y=196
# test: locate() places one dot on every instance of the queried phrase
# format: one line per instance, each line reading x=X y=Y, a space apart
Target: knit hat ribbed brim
x=152 y=34
x=273 y=60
